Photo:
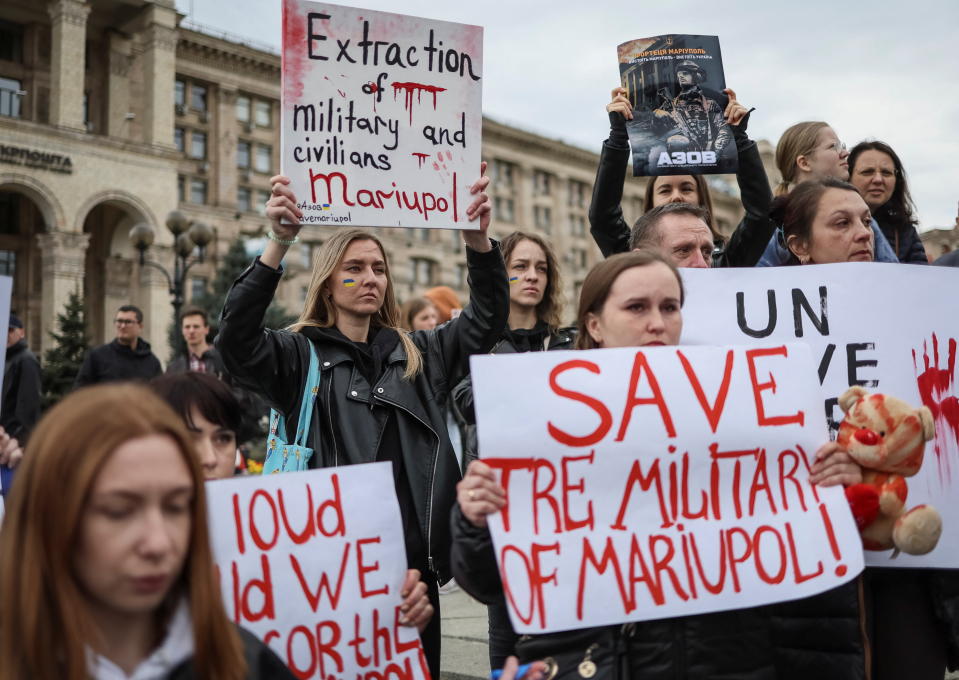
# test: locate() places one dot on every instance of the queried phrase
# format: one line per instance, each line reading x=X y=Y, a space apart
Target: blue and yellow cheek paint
x=513 y=279
x=349 y=283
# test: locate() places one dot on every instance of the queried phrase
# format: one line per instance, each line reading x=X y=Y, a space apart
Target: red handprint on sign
x=937 y=390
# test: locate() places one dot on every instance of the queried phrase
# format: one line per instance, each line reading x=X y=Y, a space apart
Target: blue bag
x=294 y=456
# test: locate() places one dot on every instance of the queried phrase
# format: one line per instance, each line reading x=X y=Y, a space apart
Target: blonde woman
x=381 y=387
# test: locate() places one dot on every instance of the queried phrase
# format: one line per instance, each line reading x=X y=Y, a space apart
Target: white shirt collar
x=177 y=647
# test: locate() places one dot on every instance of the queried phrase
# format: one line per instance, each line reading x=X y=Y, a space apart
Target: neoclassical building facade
x=116 y=112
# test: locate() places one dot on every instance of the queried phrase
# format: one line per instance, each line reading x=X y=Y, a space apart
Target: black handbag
x=586 y=654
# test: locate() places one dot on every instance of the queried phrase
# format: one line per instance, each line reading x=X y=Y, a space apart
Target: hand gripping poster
x=675 y=84
x=382 y=116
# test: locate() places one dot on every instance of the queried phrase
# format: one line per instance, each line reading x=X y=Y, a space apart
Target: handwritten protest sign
x=887 y=327
x=305 y=565
x=381 y=116
x=651 y=483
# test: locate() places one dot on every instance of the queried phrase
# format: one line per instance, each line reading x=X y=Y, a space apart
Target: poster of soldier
x=675 y=84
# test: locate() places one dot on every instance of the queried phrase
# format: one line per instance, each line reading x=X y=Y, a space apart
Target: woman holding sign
x=635 y=300
x=609 y=228
x=913 y=614
x=380 y=389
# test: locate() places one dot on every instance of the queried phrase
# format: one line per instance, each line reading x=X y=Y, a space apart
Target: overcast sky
x=886 y=69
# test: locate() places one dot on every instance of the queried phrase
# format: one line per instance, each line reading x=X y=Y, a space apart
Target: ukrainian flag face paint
x=349 y=283
x=513 y=279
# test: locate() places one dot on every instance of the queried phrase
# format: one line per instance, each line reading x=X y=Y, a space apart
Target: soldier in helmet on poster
x=691 y=121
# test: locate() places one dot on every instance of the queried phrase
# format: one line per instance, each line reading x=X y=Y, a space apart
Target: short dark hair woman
x=875 y=169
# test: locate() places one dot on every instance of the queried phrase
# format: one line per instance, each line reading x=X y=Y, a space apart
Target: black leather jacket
x=611 y=232
x=274 y=363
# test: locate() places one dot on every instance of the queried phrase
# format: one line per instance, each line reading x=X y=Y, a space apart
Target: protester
x=912 y=614
x=211 y=413
x=419 y=314
x=679 y=231
x=105 y=563
x=200 y=355
x=127 y=357
x=20 y=406
x=876 y=171
x=380 y=389
x=535 y=311
x=609 y=228
x=634 y=300
x=808 y=151
x=447 y=303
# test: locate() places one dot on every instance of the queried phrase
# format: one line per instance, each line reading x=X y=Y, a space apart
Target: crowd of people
x=105 y=563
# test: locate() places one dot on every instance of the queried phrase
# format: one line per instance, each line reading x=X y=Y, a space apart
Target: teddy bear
x=887 y=438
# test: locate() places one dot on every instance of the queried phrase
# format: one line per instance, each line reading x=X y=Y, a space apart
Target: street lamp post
x=187 y=236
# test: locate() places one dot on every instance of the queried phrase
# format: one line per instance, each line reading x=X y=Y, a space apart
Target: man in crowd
x=20 y=407
x=680 y=231
x=127 y=357
x=200 y=356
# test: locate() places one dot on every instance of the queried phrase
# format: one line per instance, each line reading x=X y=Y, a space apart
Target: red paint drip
x=409 y=89
x=436 y=166
x=841 y=569
x=294 y=52
x=937 y=391
x=421 y=157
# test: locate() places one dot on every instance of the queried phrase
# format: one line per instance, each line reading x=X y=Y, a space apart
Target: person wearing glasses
x=875 y=169
x=811 y=150
x=126 y=357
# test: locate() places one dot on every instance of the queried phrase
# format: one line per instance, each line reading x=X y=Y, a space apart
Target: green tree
x=62 y=362
x=231 y=265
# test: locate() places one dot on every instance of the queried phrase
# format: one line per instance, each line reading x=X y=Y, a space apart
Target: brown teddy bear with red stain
x=887 y=437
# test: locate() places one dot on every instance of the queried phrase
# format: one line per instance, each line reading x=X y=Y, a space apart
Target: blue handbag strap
x=310 y=391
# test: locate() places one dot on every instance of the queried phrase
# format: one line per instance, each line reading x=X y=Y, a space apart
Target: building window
x=578 y=257
x=543 y=217
x=11 y=42
x=462 y=271
x=425 y=235
x=577 y=194
x=197 y=287
x=179 y=93
x=503 y=173
x=10 y=95
x=423 y=270
x=197 y=191
x=242 y=154
x=577 y=225
x=263 y=113
x=178 y=140
x=541 y=183
x=503 y=209
x=243 y=109
x=244 y=199
x=263 y=160
x=181 y=188
x=261 y=198
x=306 y=255
x=8 y=263
x=198 y=145
x=197 y=97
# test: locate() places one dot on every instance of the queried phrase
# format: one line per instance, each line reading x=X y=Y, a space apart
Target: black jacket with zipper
x=351 y=415
x=611 y=232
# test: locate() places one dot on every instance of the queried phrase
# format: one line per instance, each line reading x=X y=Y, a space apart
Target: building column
x=224 y=162
x=67 y=67
x=159 y=61
x=62 y=261
x=118 y=88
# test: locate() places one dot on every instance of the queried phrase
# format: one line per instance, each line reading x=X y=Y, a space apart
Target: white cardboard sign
x=382 y=116
x=890 y=328
x=661 y=482
x=306 y=566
